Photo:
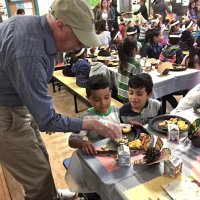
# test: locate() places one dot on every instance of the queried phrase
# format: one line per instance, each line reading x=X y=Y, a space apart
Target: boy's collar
x=92 y=110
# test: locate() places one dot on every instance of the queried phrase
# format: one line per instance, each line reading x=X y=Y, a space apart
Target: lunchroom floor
x=57 y=143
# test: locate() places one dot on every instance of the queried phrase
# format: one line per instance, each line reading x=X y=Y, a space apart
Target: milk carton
x=173 y=133
x=173 y=166
x=124 y=158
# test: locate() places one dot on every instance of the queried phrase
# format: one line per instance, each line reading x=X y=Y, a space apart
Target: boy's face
x=100 y=99
x=137 y=98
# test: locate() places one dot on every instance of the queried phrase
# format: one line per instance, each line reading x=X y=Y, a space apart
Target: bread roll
x=126 y=130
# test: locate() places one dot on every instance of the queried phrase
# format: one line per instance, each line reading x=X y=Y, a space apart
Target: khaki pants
x=23 y=153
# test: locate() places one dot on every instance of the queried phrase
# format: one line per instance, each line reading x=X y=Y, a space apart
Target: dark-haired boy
x=140 y=107
x=99 y=93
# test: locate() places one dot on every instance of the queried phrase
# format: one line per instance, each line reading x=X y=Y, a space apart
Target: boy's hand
x=135 y=123
x=88 y=148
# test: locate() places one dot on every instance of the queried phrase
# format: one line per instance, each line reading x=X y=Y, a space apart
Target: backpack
x=68 y=63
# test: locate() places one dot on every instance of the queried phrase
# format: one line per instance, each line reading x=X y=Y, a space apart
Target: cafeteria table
x=102 y=174
x=166 y=84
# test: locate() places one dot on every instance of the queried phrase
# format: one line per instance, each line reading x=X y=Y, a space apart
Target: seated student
x=131 y=32
x=104 y=35
x=99 y=93
x=191 y=99
x=151 y=47
x=81 y=67
x=143 y=29
x=174 y=26
x=172 y=51
x=193 y=59
x=187 y=39
x=117 y=38
x=140 y=107
x=128 y=66
x=101 y=65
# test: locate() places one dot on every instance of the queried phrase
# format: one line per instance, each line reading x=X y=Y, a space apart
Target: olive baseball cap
x=79 y=17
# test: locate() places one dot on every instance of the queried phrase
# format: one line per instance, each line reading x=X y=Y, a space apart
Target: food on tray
x=126 y=130
x=152 y=154
x=135 y=144
x=123 y=140
x=182 y=125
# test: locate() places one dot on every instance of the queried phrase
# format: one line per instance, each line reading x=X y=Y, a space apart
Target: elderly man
x=28 y=49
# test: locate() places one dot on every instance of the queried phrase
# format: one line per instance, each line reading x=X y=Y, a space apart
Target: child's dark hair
x=103 y=53
x=126 y=52
x=96 y=82
x=173 y=28
x=79 y=54
x=142 y=80
x=132 y=30
x=150 y=34
x=100 y=26
x=174 y=38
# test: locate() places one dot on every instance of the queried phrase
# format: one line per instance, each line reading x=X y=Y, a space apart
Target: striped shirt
x=111 y=116
x=82 y=70
x=132 y=68
x=27 y=58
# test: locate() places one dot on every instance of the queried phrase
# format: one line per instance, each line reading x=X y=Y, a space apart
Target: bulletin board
x=28 y=6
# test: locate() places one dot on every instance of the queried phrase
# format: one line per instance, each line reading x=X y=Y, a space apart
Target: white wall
x=44 y=6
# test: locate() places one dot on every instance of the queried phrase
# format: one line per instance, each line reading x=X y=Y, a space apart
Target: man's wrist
x=90 y=124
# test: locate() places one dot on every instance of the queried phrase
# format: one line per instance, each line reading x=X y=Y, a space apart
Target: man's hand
x=88 y=148
x=110 y=130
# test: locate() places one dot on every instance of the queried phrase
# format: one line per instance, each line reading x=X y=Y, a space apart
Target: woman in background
x=104 y=12
x=142 y=10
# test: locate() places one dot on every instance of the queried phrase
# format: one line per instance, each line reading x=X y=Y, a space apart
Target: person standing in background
x=142 y=10
x=104 y=13
x=161 y=8
x=115 y=15
x=29 y=45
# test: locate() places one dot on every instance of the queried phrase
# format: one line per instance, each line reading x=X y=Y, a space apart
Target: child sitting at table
x=140 y=107
x=193 y=59
x=81 y=67
x=172 y=51
x=131 y=32
x=127 y=66
x=187 y=39
x=99 y=94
